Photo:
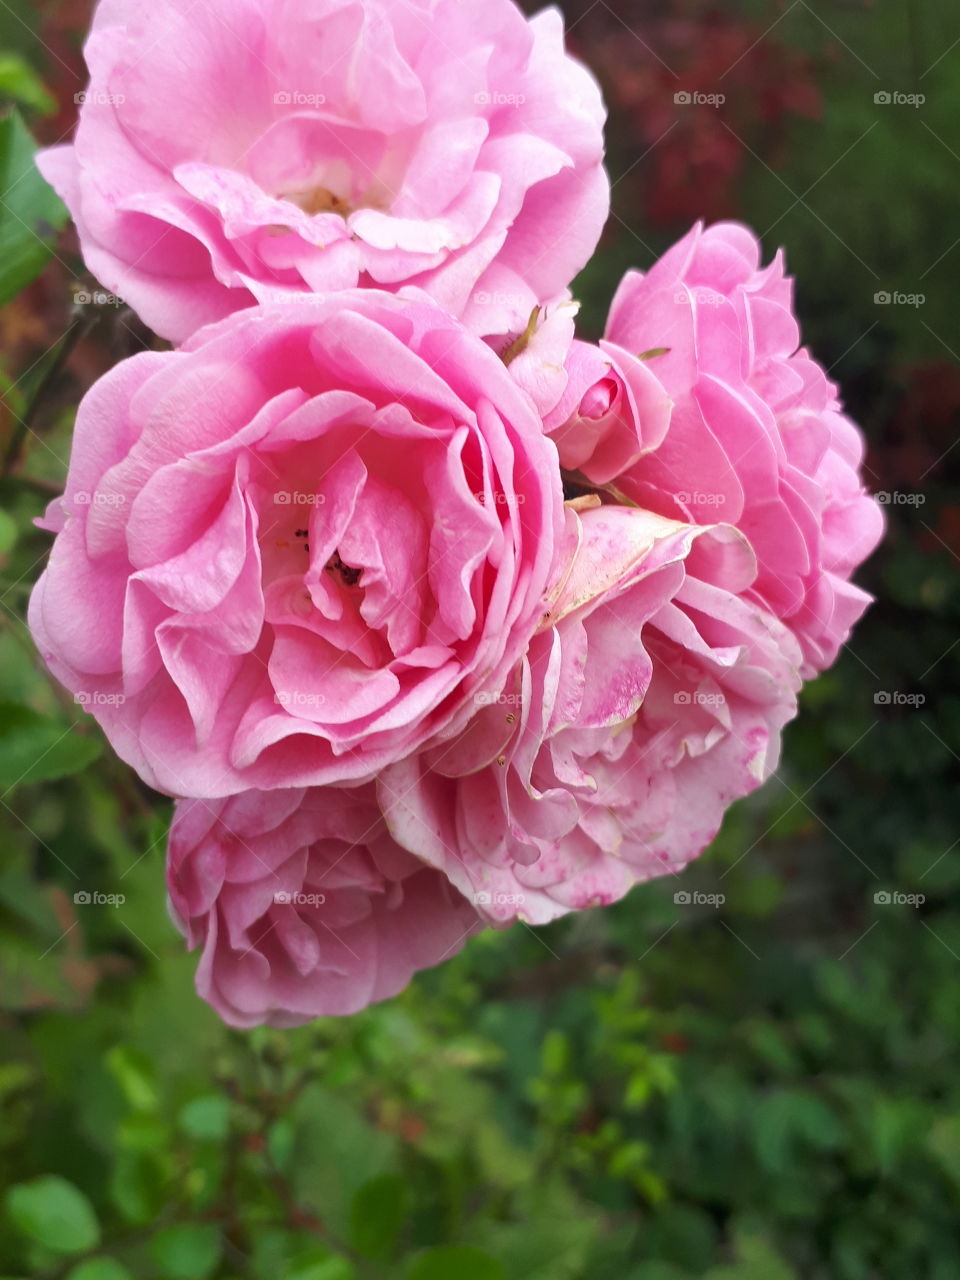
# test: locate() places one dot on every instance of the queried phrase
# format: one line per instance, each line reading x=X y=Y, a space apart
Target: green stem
x=57 y=358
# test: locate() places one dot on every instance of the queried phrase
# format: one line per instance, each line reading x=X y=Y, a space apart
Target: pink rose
x=699 y=404
x=240 y=149
x=303 y=904
x=301 y=547
x=652 y=698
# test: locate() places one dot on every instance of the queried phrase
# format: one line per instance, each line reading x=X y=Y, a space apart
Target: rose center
x=319 y=200
x=347 y=574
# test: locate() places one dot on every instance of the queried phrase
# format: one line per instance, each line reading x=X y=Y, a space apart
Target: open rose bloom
x=431 y=614
x=700 y=404
x=301 y=547
x=303 y=904
x=652 y=696
x=234 y=150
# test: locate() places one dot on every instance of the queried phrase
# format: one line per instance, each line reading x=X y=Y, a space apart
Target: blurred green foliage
x=758 y=1089
x=30 y=214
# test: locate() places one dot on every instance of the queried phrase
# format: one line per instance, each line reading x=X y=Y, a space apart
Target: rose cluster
x=431 y=614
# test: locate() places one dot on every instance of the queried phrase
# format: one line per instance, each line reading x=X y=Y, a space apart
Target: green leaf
x=34 y=748
x=377 y=1214
x=31 y=213
x=135 y=1074
x=190 y=1251
x=455 y=1262
x=785 y=1116
x=319 y=1264
x=682 y=1235
x=944 y=1142
x=99 y=1269
x=335 y=1150
x=756 y=1252
x=658 y=1271
x=281 y=1143
x=8 y=533
x=138 y=1186
x=14 y=1076
x=206 y=1119
x=19 y=82
x=54 y=1213
x=756 y=1260
x=555 y=1054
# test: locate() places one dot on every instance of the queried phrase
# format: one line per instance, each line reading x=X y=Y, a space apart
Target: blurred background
x=759 y=1086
